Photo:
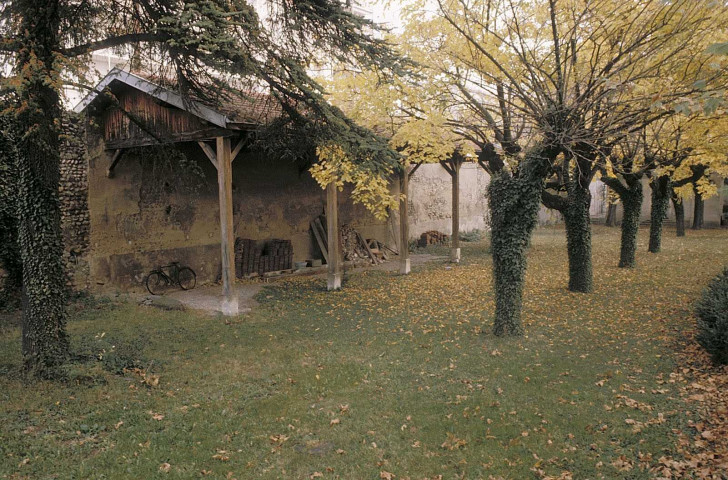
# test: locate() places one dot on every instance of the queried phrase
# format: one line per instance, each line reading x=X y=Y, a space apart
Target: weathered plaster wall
x=143 y=217
x=430 y=202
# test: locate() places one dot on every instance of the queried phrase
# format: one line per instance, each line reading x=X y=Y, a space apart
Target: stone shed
x=170 y=179
x=142 y=186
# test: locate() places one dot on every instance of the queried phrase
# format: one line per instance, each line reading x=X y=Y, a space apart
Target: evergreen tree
x=212 y=49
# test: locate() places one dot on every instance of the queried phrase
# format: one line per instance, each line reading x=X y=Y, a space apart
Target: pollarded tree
x=628 y=165
x=488 y=120
x=611 y=92
x=212 y=49
x=666 y=150
x=706 y=137
x=580 y=75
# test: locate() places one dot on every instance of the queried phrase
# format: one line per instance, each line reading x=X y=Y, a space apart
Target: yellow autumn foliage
x=371 y=190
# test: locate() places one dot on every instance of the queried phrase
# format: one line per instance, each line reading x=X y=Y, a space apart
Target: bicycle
x=157 y=280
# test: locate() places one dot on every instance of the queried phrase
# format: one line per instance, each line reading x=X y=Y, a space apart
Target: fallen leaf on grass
x=165 y=467
x=623 y=464
x=222 y=455
x=453 y=442
x=278 y=439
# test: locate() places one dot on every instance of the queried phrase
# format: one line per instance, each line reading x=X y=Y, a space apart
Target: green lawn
x=391 y=375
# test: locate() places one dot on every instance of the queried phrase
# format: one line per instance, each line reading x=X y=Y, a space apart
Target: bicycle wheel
x=186 y=278
x=155 y=283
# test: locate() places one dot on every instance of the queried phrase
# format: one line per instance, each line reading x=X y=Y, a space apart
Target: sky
x=384 y=11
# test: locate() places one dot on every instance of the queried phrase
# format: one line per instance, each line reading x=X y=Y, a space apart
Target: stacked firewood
x=351 y=245
x=433 y=237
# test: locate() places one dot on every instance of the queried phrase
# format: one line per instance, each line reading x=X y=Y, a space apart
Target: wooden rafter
x=238 y=147
x=114 y=160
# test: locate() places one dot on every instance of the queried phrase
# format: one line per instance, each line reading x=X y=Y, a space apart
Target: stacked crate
x=279 y=256
x=249 y=258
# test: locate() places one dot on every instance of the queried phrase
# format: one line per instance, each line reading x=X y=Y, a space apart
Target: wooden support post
x=227 y=240
x=455 y=243
x=334 y=245
x=404 y=260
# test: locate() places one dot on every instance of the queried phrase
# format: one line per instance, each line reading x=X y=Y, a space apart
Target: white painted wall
x=713 y=205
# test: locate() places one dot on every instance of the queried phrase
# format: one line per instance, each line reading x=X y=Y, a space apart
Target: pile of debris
x=433 y=237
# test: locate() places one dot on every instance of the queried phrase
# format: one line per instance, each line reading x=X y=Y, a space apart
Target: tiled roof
x=245 y=109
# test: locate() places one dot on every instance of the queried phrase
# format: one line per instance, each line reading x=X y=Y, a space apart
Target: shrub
x=472 y=236
x=712 y=312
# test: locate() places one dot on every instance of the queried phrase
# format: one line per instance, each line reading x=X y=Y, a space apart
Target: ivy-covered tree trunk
x=9 y=254
x=630 y=194
x=514 y=203
x=578 y=238
x=658 y=211
x=611 y=220
x=679 y=207
x=698 y=211
x=631 y=204
x=44 y=343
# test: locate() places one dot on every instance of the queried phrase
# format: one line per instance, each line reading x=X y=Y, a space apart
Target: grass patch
x=391 y=374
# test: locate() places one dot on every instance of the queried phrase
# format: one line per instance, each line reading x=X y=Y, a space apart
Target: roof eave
x=163 y=94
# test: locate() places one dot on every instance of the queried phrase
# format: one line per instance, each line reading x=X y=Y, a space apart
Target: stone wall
x=73 y=196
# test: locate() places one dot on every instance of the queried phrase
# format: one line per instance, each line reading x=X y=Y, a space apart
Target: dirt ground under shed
x=208 y=298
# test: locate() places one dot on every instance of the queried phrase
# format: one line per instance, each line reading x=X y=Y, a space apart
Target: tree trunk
x=514 y=204
x=9 y=253
x=679 y=207
x=455 y=244
x=611 y=220
x=578 y=238
x=698 y=211
x=45 y=344
x=631 y=204
x=658 y=210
